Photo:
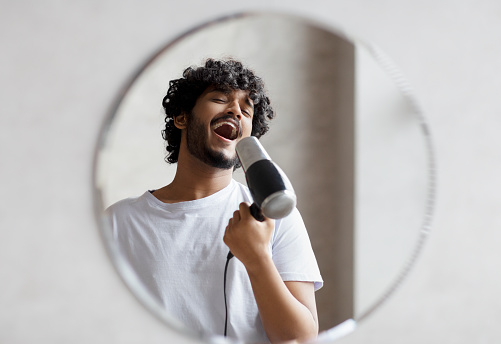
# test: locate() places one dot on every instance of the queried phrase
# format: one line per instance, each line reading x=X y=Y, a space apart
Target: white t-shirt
x=177 y=251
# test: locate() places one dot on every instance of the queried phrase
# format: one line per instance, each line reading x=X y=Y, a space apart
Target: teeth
x=217 y=125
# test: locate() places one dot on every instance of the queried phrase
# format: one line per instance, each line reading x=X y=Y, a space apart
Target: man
x=177 y=238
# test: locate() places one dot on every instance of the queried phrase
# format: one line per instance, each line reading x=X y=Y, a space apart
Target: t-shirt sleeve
x=292 y=252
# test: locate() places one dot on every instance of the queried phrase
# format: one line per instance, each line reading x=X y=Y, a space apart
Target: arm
x=287 y=309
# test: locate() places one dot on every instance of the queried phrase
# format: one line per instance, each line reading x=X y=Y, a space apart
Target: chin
x=220 y=160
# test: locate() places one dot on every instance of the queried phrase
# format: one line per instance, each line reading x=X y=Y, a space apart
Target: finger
x=244 y=208
x=236 y=215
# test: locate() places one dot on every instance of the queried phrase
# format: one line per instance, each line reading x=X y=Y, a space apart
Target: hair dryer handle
x=256 y=212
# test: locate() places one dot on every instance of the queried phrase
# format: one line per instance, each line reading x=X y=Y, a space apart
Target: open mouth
x=226 y=129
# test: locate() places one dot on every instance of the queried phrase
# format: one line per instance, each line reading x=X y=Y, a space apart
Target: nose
x=234 y=109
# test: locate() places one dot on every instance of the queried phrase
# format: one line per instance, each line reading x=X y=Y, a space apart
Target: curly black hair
x=224 y=74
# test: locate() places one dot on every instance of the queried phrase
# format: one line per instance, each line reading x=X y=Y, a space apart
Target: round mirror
x=348 y=134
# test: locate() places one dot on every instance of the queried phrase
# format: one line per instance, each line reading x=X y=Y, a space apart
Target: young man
x=177 y=238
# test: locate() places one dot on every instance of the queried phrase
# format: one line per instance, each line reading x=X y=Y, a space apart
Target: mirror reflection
x=344 y=134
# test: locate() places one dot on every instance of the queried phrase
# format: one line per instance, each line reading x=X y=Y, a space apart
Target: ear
x=180 y=121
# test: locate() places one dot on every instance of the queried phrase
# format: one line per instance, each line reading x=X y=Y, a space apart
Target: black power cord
x=256 y=212
x=230 y=255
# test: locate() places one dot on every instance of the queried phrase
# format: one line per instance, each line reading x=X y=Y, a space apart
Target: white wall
x=63 y=63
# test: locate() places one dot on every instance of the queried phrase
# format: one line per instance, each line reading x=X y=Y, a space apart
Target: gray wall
x=63 y=63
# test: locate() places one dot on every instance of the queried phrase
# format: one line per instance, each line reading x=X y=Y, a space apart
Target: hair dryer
x=269 y=186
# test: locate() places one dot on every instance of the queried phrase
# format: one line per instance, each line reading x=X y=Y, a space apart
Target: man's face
x=218 y=121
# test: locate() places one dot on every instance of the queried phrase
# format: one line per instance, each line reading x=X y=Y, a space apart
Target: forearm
x=283 y=316
x=287 y=310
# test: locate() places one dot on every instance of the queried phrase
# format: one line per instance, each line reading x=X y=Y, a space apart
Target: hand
x=248 y=238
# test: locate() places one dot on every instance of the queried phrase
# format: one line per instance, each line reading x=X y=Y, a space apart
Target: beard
x=196 y=142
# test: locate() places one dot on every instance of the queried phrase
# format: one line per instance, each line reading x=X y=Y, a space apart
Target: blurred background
x=61 y=68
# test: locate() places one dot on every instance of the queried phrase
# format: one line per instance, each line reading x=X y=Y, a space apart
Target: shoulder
x=290 y=230
x=127 y=205
x=127 y=214
x=293 y=220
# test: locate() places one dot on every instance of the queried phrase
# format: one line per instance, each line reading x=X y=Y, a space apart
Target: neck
x=193 y=180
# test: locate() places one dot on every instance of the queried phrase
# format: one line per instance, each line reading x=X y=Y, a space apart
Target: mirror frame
x=134 y=284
